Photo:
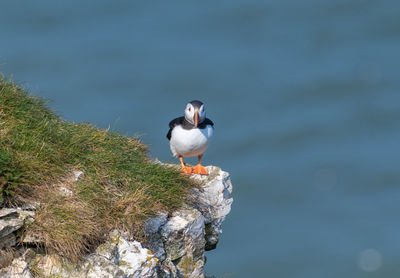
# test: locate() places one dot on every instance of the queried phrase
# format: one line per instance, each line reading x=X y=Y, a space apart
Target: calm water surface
x=305 y=98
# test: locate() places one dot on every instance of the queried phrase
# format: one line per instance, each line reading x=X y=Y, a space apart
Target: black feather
x=174 y=123
x=206 y=122
x=196 y=103
x=186 y=125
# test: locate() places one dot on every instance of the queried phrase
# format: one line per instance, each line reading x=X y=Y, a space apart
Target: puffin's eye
x=189 y=109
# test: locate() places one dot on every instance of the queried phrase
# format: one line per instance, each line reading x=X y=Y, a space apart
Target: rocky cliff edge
x=175 y=245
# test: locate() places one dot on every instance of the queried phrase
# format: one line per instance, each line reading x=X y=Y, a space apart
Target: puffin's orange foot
x=199 y=169
x=186 y=170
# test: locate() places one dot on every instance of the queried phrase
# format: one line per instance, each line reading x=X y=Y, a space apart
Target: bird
x=190 y=135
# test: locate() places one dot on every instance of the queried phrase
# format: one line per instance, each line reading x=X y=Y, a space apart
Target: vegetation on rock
x=39 y=152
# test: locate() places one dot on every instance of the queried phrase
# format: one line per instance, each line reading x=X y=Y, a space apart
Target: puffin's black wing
x=207 y=121
x=204 y=124
x=174 y=123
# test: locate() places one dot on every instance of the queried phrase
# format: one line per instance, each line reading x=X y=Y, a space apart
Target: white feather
x=190 y=142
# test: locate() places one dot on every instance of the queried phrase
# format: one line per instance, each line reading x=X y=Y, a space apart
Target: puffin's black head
x=195 y=113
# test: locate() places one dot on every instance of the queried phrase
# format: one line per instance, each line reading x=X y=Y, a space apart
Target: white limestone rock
x=136 y=261
x=124 y=258
x=32 y=239
x=214 y=200
x=30 y=206
x=17 y=269
x=65 y=191
x=9 y=221
x=8 y=212
x=13 y=219
x=152 y=229
x=175 y=248
x=78 y=175
x=183 y=237
x=118 y=257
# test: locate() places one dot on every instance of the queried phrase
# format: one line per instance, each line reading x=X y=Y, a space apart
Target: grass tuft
x=38 y=154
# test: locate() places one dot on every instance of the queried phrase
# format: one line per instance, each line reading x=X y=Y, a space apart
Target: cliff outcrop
x=175 y=243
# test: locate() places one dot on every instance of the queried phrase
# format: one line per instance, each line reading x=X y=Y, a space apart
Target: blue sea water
x=304 y=95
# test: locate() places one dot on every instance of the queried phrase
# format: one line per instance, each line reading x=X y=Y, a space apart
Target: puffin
x=190 y=135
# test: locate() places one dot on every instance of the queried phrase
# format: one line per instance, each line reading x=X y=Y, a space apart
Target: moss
x=187 y=265
x=122 y=263
x=114 y=239
x=207 y=229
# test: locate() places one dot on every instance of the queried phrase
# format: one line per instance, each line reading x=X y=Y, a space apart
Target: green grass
x=121 y=186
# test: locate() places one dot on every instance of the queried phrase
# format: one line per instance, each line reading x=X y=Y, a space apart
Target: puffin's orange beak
x=196 y=118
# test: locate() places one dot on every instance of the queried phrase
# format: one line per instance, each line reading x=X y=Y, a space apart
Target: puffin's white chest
x=190 y=142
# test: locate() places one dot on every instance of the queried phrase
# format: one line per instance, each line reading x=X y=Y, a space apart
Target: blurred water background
x=304 y=95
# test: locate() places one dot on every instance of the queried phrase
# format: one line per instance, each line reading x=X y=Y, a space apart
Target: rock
x=27 y=215
x=65 y=185
x=175 y=247
x=152 y=229
x=214 y=201
x=123 y=258
x=183 y=237
x=196 y=228
x=65 y=191
x=32 y=239
x=78 y=175
x=17 y=269
x=7 y=241
x=51 y=266
x=8 y=213
x=134 y=260
x=10 y=224
x=118 y=257
x=154 y=224
x=11 y=220
x=30 y=206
